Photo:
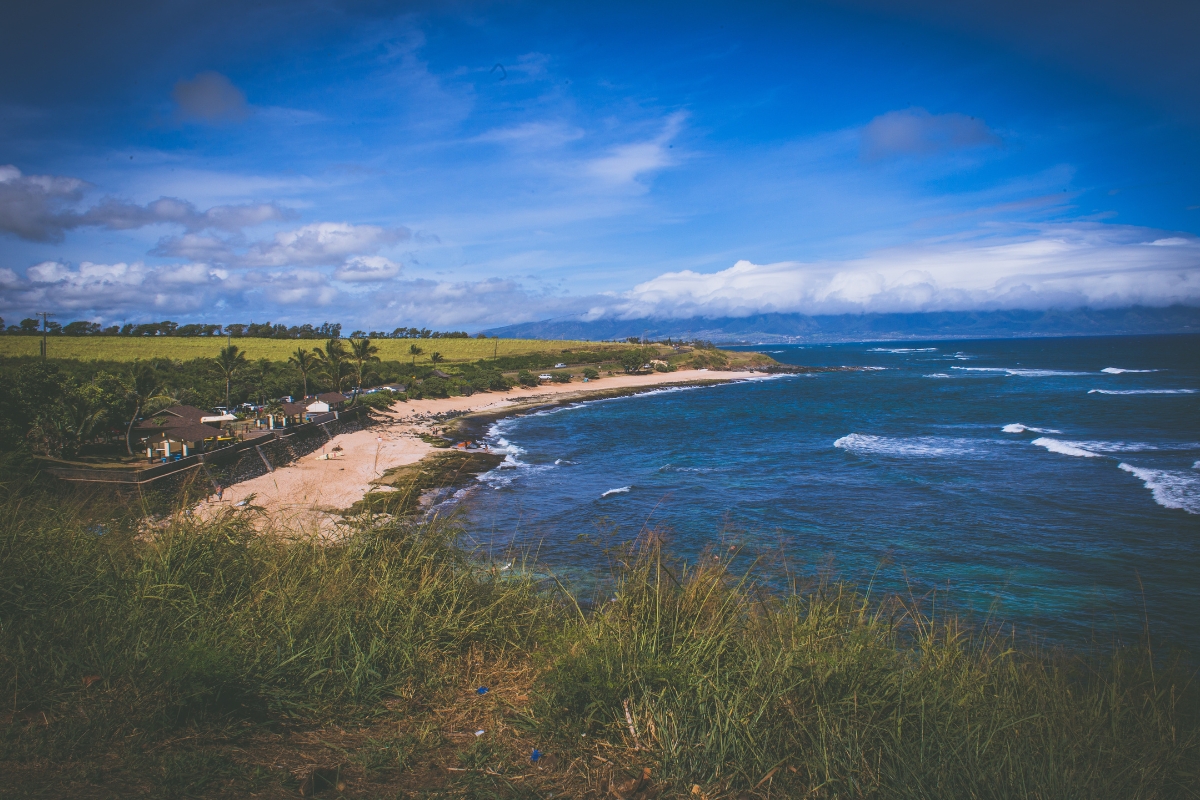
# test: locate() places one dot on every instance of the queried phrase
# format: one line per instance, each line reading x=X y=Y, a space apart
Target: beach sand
x=308 y=496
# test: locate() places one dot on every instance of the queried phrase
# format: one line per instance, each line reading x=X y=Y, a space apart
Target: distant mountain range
x=775 y=328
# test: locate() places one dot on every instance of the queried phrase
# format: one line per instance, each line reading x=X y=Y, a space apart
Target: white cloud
x=366 y=269
x=31 y=206
x=321 y=243
x=37 y=208
x=1057 y=266
x=625 y=163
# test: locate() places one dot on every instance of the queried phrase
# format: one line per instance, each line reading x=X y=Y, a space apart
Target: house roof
x=331 y=397
x=173 y=417
x=440 y=374
x=187 y=432
x=294 y=408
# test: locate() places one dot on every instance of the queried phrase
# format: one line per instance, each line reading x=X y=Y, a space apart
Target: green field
x=129 y=348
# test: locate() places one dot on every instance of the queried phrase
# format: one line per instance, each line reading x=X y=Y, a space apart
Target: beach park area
x=313 y=493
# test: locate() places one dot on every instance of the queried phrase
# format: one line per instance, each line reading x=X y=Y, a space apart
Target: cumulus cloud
x=37 y=208
x=1057 y=266
x=210 y=97
x=916 y=132
x=136 y=290
x=322 y=243
x=118 y=215
x=32 y=206
x=367 y=269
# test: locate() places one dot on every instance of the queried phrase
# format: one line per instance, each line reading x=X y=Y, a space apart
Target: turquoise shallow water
x=1039 y=478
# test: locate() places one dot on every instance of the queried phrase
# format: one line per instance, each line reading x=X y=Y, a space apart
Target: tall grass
x=130 y=631
x=126 y=631
x=823 y=693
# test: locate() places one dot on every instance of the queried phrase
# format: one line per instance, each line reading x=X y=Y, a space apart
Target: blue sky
x=466 y=165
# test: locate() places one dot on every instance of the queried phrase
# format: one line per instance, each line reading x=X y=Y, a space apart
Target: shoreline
x=309 y=496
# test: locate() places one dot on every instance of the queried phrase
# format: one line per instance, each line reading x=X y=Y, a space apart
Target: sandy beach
x=307 y=496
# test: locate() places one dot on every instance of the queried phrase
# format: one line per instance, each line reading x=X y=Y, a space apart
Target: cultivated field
x=129 y=348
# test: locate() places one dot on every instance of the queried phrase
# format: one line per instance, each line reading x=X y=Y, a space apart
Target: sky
x=464 y=165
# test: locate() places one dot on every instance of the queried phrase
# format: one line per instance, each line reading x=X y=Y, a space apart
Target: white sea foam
x=1024 y=373
x=1120 y=447
x=1141 y=391
x=1170 y=489
x=1016 y=427
x=873 y=369
x=937 y=375
x=621 y=490
x=903 y=350
x=1064 y=448
x=919 y=447
x=1119 y=371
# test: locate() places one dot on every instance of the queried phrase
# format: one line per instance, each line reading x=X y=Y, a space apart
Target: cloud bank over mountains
x=1060 y=266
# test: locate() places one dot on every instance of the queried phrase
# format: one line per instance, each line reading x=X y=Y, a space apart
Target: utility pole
x=44 y=315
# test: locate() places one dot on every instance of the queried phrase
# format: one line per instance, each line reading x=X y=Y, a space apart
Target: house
x=324 y=403
x=295 y=413
x=177 y=431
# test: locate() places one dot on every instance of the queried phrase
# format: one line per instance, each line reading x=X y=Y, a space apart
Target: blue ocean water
x=1053 y=481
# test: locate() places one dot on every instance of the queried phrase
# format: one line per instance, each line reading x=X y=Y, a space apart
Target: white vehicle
x=545 y=376
x=559 y=366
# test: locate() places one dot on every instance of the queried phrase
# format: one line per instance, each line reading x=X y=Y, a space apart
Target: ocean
x=1052 y=483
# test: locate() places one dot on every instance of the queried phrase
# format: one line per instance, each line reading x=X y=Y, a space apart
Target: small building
x=437 y=373
x=295 y=413
x=177 y=431
x=334 y=400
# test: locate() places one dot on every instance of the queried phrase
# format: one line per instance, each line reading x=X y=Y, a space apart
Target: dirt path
x=308 y=495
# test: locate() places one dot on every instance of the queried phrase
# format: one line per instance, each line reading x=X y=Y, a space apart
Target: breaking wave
x=1119 y=371
x=1170 y=489
x=621 y=490
x=937 y=375
x=1025 y=373
x=1064 y=448
x=903 y=350
x=1016 y=427
x=919 y=447
x=1141 y=391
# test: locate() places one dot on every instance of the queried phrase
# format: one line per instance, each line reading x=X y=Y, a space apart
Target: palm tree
x=363 y=352
x=229 y=362
x=305 y=362
x=262 y=373
x=142 y=390
x=415 y=351
x=334 y=359
x=436 y=358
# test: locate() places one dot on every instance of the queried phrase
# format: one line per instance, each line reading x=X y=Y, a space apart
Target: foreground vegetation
x=176 y=657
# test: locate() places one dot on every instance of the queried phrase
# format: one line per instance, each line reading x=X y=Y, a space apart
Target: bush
x=527 y=379
x=381 y=400
x=561 y=377
x=590 y=373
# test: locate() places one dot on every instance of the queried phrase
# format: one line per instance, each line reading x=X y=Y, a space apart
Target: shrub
x=561 y=377
x=590 y=373
x=527 y=379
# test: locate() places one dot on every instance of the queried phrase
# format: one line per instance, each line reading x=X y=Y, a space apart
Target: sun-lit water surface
x=1041 y=478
